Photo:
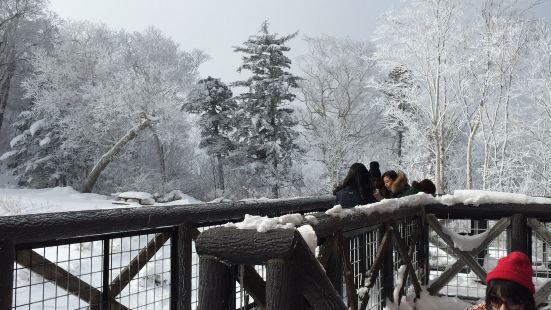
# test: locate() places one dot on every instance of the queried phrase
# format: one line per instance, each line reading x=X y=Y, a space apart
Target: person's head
x=426 y=186
x=374 y=170
x=358 y=179
x=389 y=177
x=509 y=284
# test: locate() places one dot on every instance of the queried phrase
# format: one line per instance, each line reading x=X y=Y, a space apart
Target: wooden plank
x=216 y=284
x=22 y=229
x=331 y=259
x=181 y=267
x=319 y=291
x=377 y=263
x=136 y=264
x=416 y=237
x=284 y=284
x=490 y=211
x=540 y=230
x=7 y=258
x=469 y=260
x=519 y=234
x=349 y=275
x=450 y=272
x=541 y=295
x=401 y=247
x=72 y=284
x=254 y=285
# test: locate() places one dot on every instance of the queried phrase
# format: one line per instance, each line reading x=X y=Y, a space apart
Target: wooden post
x=7 y=259
x=284 y=280
x=216 y=285
x=331 y=259
x=388 y=270
x=180 y=268
x=519 y=233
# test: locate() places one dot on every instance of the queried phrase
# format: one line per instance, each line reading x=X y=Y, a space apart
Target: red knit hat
x=514 y=267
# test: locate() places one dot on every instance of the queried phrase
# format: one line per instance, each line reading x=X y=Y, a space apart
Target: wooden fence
x=273 y=270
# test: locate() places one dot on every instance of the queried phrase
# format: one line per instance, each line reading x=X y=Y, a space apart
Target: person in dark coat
x=396 y=183
x=355 y=189
x=377 y=183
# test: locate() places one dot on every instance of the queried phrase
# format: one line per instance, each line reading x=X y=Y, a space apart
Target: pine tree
x=397 y=89
x=265 y=133
x=213 y=100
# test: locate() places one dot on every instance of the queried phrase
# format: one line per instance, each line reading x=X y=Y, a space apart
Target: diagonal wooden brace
x=450 y=272
x=466 y=257
x=377 y=263
x=401 y=247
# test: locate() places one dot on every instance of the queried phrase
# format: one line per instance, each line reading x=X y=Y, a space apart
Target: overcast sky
x=216 y=25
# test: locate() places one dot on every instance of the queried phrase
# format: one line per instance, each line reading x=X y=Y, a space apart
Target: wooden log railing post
x=332 y=261
x=7 y=259
x=519 y=234
x=180 y=269
x=388 y=269
x=216 y=284
x=284 y=281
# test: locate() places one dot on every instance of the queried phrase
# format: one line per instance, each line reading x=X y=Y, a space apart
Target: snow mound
x=141 y=197
x=478 y=197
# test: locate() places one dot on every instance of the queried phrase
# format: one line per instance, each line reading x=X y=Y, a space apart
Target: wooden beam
x=254 y=285
x=450 y=272
x=541 y=295
x=216 y=284
x=401 y=247
x=284 y=284
x=181 y=267
x=416 y=237
x=41 y=227
x=137 y=263
x=377 y=263
x=519 y=234
x=469 y=260
x=332 y=261
x=7 y=257
x=540 y=230
x=72 y=284
x=349 y=274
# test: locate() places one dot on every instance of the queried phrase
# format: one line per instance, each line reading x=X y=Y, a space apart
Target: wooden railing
x=293 y=279
x=25 y=241
x=276 y=269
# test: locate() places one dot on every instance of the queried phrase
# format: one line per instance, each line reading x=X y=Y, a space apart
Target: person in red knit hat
x=509 y=285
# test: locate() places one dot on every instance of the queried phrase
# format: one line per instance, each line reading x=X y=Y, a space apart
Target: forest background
x=455 y=91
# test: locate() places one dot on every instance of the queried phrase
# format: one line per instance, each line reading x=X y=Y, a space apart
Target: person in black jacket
x=356 y=188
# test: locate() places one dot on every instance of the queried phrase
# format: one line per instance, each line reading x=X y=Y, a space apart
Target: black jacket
x=348 y=198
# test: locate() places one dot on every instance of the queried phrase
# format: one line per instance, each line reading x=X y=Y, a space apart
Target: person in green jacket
x=396 y=183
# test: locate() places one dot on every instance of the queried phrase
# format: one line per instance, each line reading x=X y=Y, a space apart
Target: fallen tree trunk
x=108 y=157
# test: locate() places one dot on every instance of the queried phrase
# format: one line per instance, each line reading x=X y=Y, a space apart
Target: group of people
x=362 y=186
x=509 y=284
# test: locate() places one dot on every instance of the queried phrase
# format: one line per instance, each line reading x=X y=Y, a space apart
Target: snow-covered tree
x=25 y=25
x=266 y=136
x=399 y=92
x=340 y=116
x=99 y=91
x=213 y=101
